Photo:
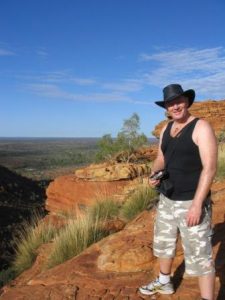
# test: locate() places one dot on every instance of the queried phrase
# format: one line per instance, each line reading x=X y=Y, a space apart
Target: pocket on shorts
x=200 y=238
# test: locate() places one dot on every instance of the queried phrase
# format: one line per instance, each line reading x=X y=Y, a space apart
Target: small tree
x=106 y=148
x=127 y=140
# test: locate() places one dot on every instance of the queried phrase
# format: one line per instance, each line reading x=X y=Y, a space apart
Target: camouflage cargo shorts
x=196 y=240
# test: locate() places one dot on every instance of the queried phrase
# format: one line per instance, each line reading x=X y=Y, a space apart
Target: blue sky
x=79 y=68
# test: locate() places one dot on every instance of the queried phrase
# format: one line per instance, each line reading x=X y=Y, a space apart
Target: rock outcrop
x=211 y=110
x=76 y=191
x=70 y=194
x=112 y=172
x=116 y=266
x=67 y=193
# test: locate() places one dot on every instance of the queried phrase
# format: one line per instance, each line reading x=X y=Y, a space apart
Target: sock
x=164 y=278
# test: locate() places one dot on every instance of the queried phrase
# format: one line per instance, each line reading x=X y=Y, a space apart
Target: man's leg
x=164 y=245
x=197 y=246
x=165 y=265
x=206 y=285
x=162 y=284
x=165 y=237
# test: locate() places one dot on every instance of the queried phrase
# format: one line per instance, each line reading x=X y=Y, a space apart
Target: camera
x=158 y=175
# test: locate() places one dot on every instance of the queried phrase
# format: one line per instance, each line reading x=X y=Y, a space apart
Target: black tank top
x=182 y=162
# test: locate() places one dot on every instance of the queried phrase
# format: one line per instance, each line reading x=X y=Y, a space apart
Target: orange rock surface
x=74 y=192
x=67 y=193
x=112 y=172
x=116 y=266
x=212 y=111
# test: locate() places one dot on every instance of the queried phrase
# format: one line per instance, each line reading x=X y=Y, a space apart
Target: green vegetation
x=79 y=233
x=42 y=158
x=221 y=136
x=221 y=162
x=143 y=198
x=127 y=140
x=84 y=231
x=74 y=238
x=106 y=209
x=30 y=237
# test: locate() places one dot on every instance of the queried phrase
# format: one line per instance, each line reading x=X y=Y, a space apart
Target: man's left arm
x=205 y=138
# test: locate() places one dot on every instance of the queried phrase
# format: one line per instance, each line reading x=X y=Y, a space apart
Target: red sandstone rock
x=212 y=111
x=67 y=194
x=112 y=172
x=115 y=267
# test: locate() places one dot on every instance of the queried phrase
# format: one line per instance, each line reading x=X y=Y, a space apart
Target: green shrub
x=29 y=238
x=143 y=198
x=74 y=238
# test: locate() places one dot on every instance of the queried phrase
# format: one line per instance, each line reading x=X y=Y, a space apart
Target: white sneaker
x=157 y=287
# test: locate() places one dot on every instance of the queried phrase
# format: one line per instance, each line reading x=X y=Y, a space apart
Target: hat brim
x=190 y=94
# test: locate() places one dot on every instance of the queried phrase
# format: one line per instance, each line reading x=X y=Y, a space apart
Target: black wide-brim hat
x=173 y=91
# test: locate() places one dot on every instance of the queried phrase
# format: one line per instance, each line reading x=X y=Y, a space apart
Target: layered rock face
x=212 y=111
x=68 y=193
x=113 y=172
x=76 y=191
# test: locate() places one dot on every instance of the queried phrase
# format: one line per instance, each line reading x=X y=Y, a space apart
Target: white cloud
x=127 y=85
x=4 y=52
x=47 y=90
x=42 y=52
x=53 y=91
x=83 y=81
x=202 y=70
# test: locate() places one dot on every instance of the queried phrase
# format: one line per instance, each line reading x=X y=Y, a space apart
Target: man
x=188 y=151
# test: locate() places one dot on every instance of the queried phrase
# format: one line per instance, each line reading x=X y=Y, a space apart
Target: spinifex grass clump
x=29 y=238
x=104 y=210
x=74 y=238
x=79 y=233
x=221 y=162
x=143 y=198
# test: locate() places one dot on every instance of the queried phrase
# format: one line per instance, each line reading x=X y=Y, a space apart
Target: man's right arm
x=158 y=163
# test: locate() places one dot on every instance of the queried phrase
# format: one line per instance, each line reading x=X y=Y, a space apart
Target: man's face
x=178 y=108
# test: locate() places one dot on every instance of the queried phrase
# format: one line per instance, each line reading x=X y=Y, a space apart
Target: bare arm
x=205 y=138
x=158 y=163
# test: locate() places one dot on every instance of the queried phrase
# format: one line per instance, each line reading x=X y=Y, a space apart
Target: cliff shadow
x=219 y=239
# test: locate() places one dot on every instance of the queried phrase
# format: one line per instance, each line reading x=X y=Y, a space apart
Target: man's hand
x=153 y=182
x=193 y=215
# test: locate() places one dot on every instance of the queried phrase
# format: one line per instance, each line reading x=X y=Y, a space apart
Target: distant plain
x=46 y=158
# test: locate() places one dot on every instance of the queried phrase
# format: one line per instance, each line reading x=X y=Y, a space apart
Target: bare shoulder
x=203 y=126
x=162 y=132
x=164 y=128
x=203 y=132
